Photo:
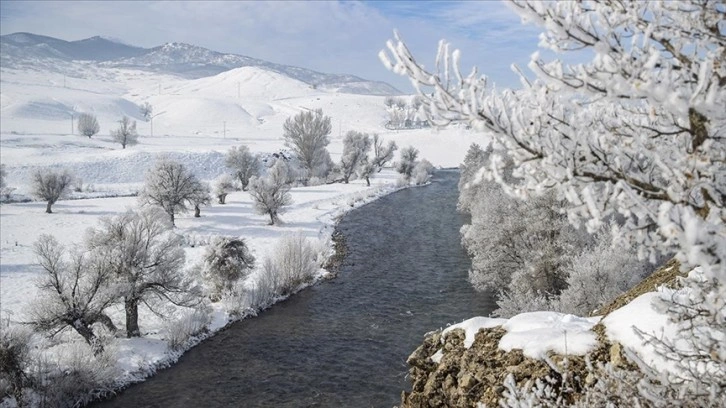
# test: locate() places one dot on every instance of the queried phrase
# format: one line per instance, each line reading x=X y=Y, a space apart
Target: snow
x=639 y=316
x=538 y=333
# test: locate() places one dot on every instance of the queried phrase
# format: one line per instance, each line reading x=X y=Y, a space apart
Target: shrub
x=226 y=261
x=191 y=324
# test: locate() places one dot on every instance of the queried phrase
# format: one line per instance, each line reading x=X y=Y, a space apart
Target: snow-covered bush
x=382 y=154
x=74 y=377
x=75 y=292
x=14 y=360
x=223 y=185
x=407 y=161
x=126 y=133
x=293 y=264
x=172 y=187
x=147 y=260
x=50 y=186
x=422 y=171
x=598 y=275
x=190 y=324
x=355 y=153
x=243 y=163
x=307 y=135
x=88 y=124
x=272 y=191
x=226 y=261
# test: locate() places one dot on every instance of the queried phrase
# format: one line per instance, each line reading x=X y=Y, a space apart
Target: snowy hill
x=24 y=50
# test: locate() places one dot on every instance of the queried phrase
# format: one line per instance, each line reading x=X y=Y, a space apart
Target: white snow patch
x=538 y=333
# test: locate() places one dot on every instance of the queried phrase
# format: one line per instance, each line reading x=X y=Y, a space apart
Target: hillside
x=26 y=50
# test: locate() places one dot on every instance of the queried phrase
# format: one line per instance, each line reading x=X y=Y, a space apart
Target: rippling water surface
x=342 y=343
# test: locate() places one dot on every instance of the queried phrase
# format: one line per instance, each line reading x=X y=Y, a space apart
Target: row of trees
x=530 y=256
x=125 y=134
x=404 y=114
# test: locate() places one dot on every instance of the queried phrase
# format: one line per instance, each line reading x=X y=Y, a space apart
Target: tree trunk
x=132 y=317
x=47 y=208
x=197 y=211
x=106 y=321
x=85 y=331
x=272 y=218
x=171 y=217
x=222 y=198
x=368 y=181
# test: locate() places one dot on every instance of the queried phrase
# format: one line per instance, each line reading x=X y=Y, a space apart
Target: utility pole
x=224 y=131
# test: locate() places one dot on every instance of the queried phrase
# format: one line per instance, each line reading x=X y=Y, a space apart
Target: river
x=344 y=342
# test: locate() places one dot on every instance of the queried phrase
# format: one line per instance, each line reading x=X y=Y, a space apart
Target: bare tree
x=407 y=162
x=382 y=154
x=243 y=164
x=307 y=135
x=88 y=124
x=172 y=187
x=50 y=186
x=271 y=192
x=126 y=133
x=355 y=152
x=75 y=292
x=222 y=186
x=146 y=259
x=146 y=110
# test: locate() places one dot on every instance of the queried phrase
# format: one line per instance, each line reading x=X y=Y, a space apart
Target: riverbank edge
x=331 y=268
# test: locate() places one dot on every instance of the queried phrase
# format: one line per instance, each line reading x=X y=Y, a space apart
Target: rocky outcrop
x=447 y=374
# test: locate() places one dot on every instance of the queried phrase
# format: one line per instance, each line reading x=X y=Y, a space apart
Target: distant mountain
x=189 y=61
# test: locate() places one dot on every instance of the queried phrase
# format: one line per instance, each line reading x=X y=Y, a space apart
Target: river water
x=344 y=342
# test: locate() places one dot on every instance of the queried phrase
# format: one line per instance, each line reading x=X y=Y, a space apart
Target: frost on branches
x=637 y=130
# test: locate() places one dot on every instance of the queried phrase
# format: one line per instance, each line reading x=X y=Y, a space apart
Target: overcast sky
x=327 y=36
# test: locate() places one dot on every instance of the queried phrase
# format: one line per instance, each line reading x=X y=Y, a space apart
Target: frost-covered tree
x=422 y=171
x=366 y=170
x=88 y=124
x=223 y=185
x=307 y=135
x=355 y=152
x=475 y=159
x=272 y=191
x=407 y=161
x=598 y=275
x=382 y=154
x=636 y=130
x=202 y=196
x=49 y=186
x=146 y=110
x=146 y=259
x=226 y=261
x=126 y=133
x=75 y=292
x=172 y=187
x=243 y=164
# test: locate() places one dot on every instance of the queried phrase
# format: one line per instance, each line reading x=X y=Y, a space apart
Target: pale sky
x=327 y=36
